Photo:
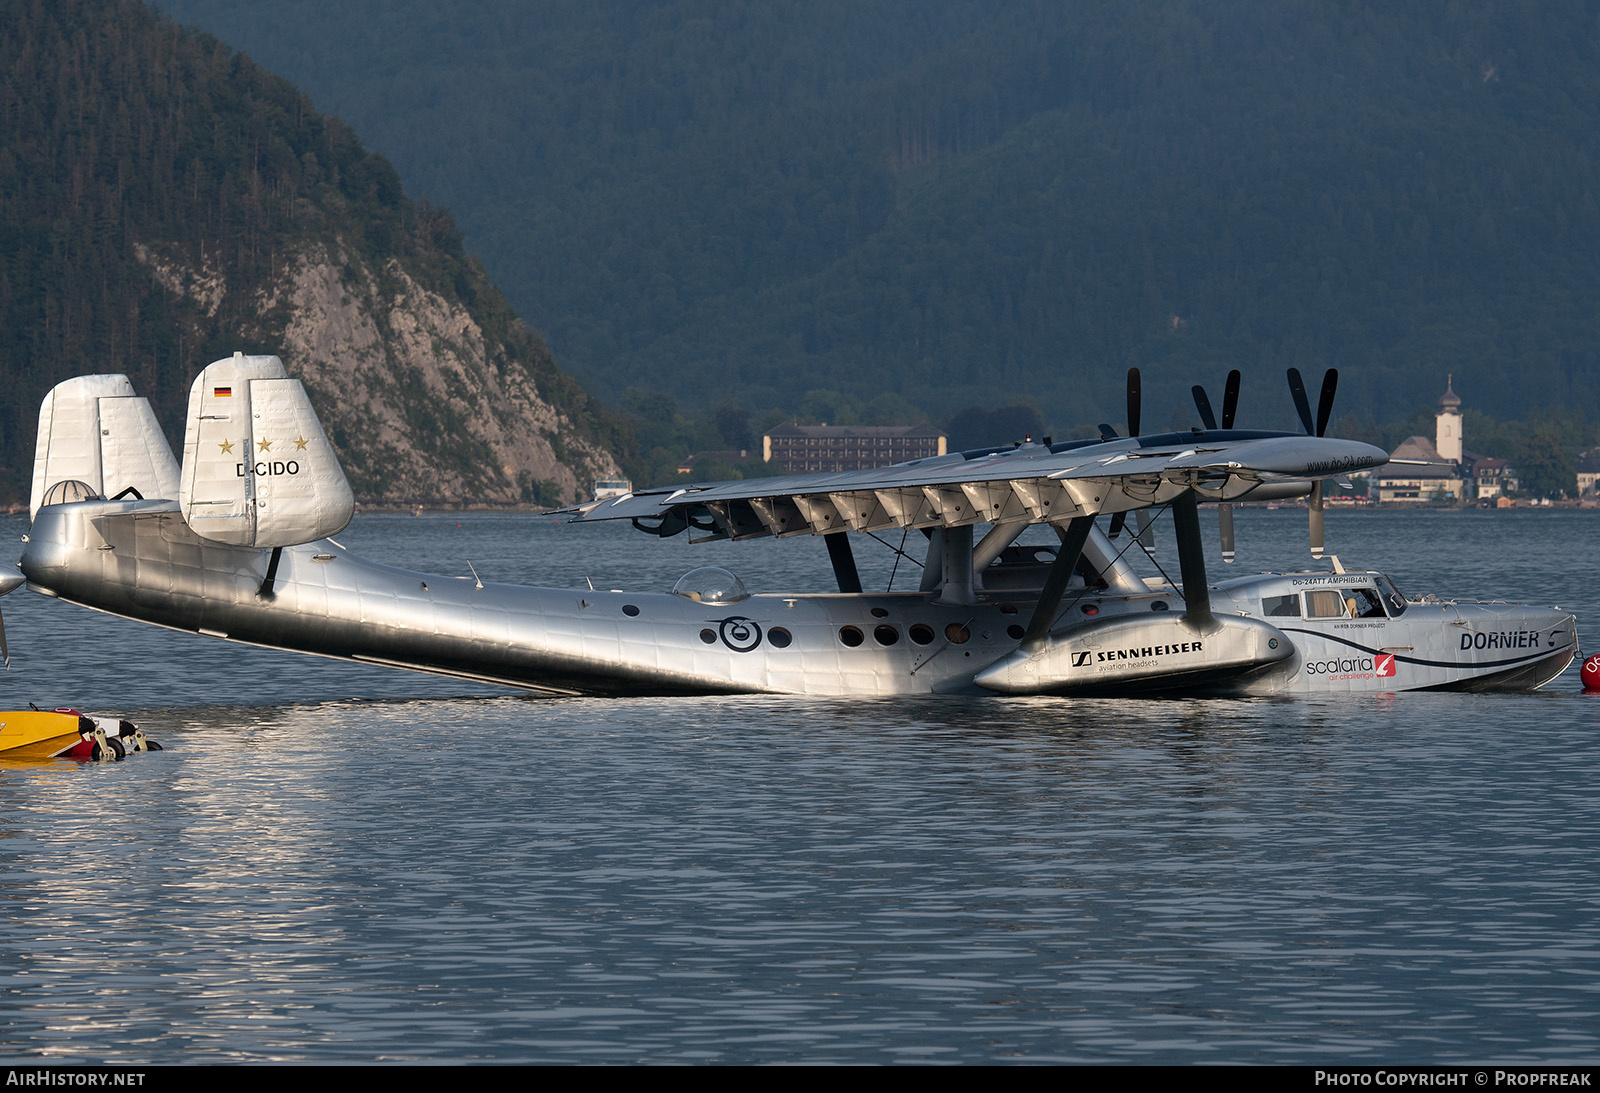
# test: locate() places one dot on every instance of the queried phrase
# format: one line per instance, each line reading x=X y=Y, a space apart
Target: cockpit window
x=1325 y=603
x=1363 y=603
x=1281 y=606
x=1343 y=603
x=1392 y=596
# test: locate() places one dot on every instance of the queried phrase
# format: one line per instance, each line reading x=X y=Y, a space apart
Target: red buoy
x=1591 y=673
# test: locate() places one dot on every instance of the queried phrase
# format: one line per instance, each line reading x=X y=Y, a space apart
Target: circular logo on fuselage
x=739 y=633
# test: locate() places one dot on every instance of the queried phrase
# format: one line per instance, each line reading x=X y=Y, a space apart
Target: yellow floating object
x=36 y=734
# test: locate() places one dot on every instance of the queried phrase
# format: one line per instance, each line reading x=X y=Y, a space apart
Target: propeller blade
x=4 y=652
x=1297 y=391
x=1118 y=522
x=1330 y=383
x=1146 y=536
x=1133 y=402
x=1316 y=520
x=1230 y=399
x=1203 y=404
x=1225 y=525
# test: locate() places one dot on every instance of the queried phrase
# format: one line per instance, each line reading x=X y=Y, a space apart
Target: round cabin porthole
x=779 y=637
x=708 y=636
x=880 y=612
x=851 y=636
x=630 y=610
x=1159 y=605
x=957 y=634
x=921 y=633
x=1015 y=632
x=885 y=634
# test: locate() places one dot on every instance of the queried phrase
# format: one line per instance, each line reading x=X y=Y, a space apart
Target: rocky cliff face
x=422 y=404
x=166 y=202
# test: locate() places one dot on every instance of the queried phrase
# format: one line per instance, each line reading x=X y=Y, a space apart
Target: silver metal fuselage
x=140 y=559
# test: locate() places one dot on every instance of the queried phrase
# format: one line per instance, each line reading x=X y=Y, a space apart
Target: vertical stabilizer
x=95 y=430
x=258 y=470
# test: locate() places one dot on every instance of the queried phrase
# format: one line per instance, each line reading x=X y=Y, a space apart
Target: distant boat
x=606 y=488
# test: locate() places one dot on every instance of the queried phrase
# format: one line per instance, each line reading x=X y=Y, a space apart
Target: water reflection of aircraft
x=233 y=543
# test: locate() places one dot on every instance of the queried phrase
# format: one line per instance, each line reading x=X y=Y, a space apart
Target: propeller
x=1120 y=520
x=1297 y=391
x=1230 y=407
x=1203 y=404
x=1230 y=402
x=1330 y=383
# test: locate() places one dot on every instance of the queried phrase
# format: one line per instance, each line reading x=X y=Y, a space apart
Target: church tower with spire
x=1447 y=425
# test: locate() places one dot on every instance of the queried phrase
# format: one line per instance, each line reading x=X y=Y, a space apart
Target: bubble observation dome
x=711 y=584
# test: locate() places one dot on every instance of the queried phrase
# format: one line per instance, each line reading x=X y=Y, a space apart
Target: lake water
x=341 y=864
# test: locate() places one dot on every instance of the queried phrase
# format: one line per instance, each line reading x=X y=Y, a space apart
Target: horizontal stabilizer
x=258 y=470
x=93 y=429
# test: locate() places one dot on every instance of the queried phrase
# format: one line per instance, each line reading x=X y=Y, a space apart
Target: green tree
x=1545 y=466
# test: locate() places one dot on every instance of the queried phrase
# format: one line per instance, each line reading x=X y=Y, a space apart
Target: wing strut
x=933 y=566
x=1192 y=559
x=1055 y=584
x=844 y=561
x=266 y=592
x=955 y=562
x=8 y=582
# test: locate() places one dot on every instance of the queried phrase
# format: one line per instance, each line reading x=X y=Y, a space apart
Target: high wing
x=1029 y=483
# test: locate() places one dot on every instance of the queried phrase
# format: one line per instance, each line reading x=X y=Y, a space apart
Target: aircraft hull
x=1448 y=646
x=140 y=559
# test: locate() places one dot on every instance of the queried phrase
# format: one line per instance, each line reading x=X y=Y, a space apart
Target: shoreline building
x=800 y=449
x=1443 y=477
x=1589 y=473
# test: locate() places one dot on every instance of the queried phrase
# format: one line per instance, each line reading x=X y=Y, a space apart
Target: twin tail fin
x=257 y=470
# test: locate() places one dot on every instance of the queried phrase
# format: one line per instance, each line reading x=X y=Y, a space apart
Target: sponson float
x=233 y=543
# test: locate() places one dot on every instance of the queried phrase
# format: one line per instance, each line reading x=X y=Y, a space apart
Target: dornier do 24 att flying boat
x=233 y=543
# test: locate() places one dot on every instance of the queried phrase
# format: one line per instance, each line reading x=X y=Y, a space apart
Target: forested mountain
x=164 y=202
x=746 y=202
